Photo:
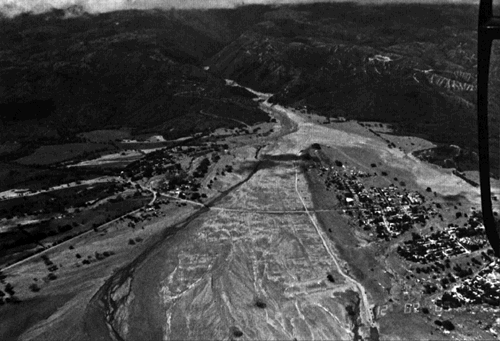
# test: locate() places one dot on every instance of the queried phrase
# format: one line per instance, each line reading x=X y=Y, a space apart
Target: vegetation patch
x=47 y=155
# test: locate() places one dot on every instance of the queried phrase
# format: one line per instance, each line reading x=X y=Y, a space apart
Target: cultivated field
x=47 y=155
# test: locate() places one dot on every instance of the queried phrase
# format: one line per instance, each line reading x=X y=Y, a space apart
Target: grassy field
x=100 y=136
x=47 y=155
x=46 y=204
x=13 y=175
x=17 y=243
x=82 y=268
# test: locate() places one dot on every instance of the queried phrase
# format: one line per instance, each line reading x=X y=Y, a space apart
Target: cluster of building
x=157 y=162
x=453 y=241
x=483 y=288
x=389 y=211
x=166 y=160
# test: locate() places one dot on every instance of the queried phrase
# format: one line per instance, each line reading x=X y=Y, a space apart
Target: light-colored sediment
x=234 y=258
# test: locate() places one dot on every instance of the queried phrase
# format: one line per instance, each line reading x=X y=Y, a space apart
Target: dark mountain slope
x=411 y=65
x=60 y=76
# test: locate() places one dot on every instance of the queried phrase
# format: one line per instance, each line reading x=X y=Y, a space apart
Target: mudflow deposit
x=299 y=172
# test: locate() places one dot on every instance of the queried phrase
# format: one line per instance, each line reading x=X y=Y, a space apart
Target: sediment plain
x=256 y=264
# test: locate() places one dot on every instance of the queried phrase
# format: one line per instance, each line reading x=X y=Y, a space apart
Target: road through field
x=368 y=315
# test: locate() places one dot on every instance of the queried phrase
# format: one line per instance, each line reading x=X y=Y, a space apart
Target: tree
x=9 y=289
x=260 y=304
x=448 y=325
x=34 y=287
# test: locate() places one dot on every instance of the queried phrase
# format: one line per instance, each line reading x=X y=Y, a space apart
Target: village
x=455 y=262
x=482 y=288
x=449 y=242
x=388 y=211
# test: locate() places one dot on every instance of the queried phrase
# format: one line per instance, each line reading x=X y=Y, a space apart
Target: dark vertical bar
x=483 y=57
x=485 y=11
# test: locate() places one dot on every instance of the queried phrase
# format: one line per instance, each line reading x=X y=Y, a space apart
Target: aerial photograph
x=249 y=170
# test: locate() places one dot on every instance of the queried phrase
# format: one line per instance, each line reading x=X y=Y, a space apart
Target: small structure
x=156 y=138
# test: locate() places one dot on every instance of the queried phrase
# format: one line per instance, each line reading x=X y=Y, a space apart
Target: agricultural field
x=52 y=154
x=21 y=240
x=103 y=136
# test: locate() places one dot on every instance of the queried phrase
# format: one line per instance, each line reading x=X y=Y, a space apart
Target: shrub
x=373 y=165
x=108 y=253
x=78 y=256
x=52 y=277
x=260 y=304
x=131 y=242
x=448 y=325
x=9 y=289
x=34 y=287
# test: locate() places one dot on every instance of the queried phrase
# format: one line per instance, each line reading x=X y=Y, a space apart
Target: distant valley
x=264 y=172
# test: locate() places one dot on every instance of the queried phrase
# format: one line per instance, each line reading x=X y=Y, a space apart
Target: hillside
x=410 y=65
x=259 y=173
x=62 y=74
